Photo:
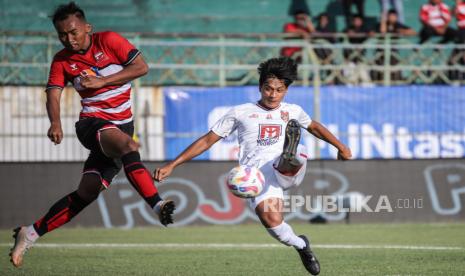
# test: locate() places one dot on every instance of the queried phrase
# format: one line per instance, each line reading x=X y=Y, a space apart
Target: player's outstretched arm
x=321 y=132
x=137 y=68
x=55 y=132
x=198 y=147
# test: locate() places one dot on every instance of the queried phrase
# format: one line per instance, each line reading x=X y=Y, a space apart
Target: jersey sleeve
x=121 y=48
x=226 y=125
x=56 y=77
x=303 y=118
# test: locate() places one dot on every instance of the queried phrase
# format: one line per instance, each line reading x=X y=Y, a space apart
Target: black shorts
x=88 y=133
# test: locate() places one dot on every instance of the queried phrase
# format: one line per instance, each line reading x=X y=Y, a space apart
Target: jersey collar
x=265 y=108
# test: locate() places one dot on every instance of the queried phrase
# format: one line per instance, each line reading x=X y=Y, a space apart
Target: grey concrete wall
x=403 y=191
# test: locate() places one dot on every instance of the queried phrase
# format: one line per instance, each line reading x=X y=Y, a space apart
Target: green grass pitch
x=358 y=249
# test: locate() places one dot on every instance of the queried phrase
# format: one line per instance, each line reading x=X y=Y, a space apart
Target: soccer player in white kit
x=269 y=134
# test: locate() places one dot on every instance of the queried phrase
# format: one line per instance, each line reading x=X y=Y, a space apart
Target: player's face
x=74 y=33
x=273 y=92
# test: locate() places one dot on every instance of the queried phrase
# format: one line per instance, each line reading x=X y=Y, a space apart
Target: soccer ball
x=245 y=181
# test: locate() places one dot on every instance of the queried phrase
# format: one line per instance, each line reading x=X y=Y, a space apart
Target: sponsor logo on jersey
x=73 y=66
x=285 y=116
x=269 y=117
x=253 y=116
x=268 y=134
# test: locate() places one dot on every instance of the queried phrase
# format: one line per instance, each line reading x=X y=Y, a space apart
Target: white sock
x=31 y=233
x=301 y=154
x=284 y=234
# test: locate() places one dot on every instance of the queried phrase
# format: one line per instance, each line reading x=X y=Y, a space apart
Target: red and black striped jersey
x=108 y=53
x=435 y=15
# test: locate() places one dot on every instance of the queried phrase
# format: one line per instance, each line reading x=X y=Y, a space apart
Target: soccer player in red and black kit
x=100 y=66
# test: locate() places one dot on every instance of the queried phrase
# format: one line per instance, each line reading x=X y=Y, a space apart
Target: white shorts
x=276 y=183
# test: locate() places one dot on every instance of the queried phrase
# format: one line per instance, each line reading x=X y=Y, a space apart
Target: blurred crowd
x=435 y=17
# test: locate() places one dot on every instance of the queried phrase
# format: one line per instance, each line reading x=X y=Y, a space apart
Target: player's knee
x=88 y=195
x=130 y=146
x=89 y=188
x=270 y=220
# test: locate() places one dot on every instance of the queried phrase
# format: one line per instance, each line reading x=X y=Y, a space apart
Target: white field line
x=232 y=245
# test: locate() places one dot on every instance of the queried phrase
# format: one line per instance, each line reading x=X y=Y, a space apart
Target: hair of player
x=282 y=68
x=63 y=11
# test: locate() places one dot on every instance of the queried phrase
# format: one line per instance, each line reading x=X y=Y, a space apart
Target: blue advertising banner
x=375 y=122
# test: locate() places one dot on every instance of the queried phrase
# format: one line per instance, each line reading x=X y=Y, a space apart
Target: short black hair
x=282 y=68
x=63 y=11
x=392 y=11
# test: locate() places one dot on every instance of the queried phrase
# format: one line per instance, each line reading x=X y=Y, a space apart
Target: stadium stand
x=242 y=16
x=187 y=44
x=215 y=47
x=264 y=16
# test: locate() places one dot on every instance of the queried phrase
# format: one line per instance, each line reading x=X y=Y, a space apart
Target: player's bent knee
x=271 y=219
x=132 y=146
x=90 y=187
x=128 y=146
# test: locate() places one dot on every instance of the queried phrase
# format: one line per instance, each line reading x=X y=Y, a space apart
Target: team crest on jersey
x=98 y=56
x=285 y=116
x=268 y=134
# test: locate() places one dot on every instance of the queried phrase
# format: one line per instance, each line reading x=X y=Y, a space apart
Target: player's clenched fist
x=161 y=173
x=55 y=133
x=92 y=82
x=344 y=154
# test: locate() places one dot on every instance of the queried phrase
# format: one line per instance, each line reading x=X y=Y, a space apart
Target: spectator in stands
x=347 y=8
x=457 y=56
x=357 y=33
x=390 y=25
x=435 y=17
x=323 y=37
x=459 y=12
x=301 y=28
x=323 y=24
x=397 y=5
x=324 y=34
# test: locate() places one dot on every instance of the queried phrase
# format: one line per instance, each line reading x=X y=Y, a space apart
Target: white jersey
x=260 y=131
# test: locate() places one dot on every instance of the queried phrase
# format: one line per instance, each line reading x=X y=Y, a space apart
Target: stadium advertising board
x=385 y=191
x=409 y=122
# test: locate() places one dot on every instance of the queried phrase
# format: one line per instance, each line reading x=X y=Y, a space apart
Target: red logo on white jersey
x=270 y=131
x=268 y=134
